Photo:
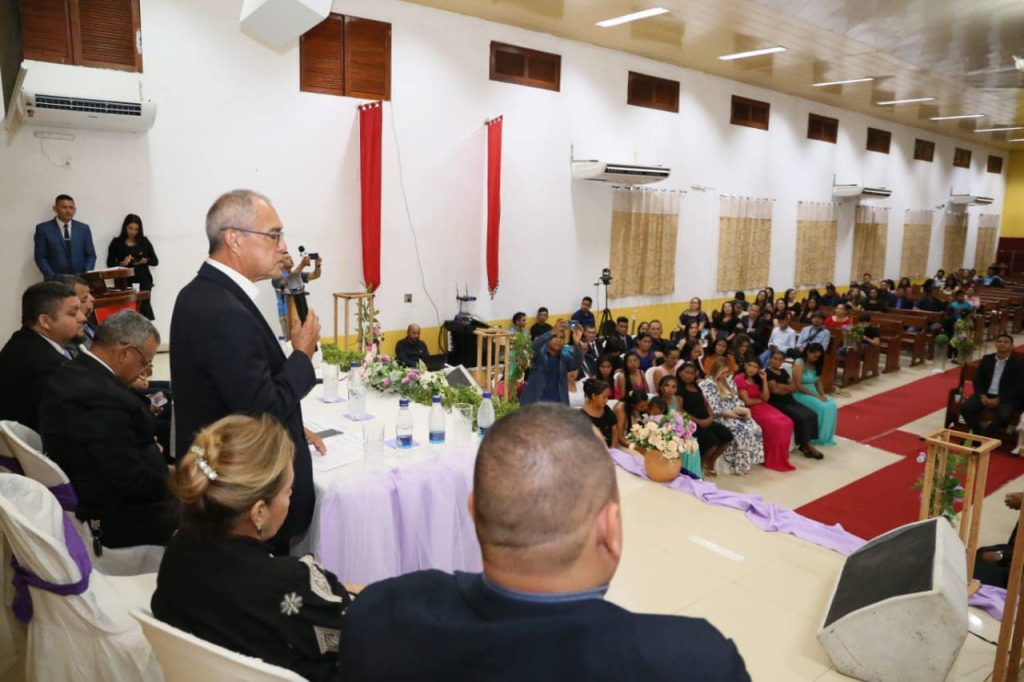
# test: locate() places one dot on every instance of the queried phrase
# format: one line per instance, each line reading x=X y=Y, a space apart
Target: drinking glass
x=373 y=438
x=462 y=425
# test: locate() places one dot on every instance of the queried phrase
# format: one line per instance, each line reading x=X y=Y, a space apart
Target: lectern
x=113 y=291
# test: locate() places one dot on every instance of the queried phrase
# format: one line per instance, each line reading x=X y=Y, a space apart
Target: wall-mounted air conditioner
x=618 y=173
x=857 y=190
x=80 y=98
x=969 y=200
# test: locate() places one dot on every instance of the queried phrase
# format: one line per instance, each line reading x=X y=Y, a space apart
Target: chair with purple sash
x=79 y=627
x=25 y=445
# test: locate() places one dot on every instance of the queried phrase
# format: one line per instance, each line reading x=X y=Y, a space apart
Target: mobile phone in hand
x=158 y=399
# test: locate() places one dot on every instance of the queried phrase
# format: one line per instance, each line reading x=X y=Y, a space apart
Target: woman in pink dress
x=752 y=385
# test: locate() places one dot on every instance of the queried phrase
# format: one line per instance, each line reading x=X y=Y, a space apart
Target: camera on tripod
x=606 y=276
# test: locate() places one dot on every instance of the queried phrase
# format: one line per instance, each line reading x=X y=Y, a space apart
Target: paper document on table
x=343 y=447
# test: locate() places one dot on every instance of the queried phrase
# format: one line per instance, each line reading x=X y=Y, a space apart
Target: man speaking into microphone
x=225 y=358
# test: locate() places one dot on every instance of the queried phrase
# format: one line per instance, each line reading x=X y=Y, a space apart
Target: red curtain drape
x=370 y=126
x=493 y=201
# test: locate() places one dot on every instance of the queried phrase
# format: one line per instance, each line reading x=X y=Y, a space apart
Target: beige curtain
x=815 y=243
x=955 y=241
x=988 y=235
x=643 y=248
x=917 y=236
x=744 y=243
x=870 y=232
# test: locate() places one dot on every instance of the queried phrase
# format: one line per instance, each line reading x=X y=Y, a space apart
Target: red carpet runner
x=886 y=499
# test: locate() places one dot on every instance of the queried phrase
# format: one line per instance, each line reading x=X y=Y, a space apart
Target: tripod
x=605 y=326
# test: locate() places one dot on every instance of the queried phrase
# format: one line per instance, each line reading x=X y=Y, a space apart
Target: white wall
x=231 y=115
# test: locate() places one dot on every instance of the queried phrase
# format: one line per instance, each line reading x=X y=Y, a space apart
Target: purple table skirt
x=382 y=523
x=771 y=518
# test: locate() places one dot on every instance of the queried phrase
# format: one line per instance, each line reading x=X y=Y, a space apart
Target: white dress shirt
x=90 y=354
x=56 y=346
x=997 y=375
x=246 y=285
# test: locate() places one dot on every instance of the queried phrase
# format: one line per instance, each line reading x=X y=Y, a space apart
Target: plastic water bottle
x=356 y=393
x=403 y=424
x=485 y=414
x=436 y=421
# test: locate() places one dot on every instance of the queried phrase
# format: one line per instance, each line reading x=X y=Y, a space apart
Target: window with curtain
x=744 y=243
x=917 y=235
x=645 y=223
x=815 y=243
x=955 y=240
x=988 y=235
x=870 y=234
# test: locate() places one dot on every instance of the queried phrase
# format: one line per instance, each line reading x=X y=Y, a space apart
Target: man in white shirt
x=997 y=387
x=51 y=316
x=783 y=339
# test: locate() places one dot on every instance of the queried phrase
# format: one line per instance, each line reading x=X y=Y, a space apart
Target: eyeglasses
x=146 y=364
x=276 y=235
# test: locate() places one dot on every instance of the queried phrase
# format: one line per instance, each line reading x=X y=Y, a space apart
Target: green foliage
x=333 y=355
x=521 y=353
x=946 y=486
x=963 y=335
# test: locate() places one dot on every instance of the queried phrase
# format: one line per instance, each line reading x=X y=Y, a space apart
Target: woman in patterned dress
x=747 y=446
x=218 y=581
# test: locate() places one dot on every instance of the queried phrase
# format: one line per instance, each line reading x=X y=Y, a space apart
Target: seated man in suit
x=88 y=301
x=997 y=387
x=103 y=438
x=63 y=245
x=411 y=349
x=51 y=317
x=537 y=612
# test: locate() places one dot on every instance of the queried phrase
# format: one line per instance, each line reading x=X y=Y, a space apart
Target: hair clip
x=204 y=466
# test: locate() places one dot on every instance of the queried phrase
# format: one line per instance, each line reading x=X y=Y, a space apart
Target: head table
x=386 y=514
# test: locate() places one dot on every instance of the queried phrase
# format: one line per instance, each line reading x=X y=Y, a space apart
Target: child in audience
x=629 y=411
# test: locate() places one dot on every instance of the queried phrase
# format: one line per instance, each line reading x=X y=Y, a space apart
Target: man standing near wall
x=64 y=245
x=225 y=358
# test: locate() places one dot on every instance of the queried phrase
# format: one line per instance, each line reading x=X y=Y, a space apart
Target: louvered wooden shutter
x=46 y=30
x=321 y=50
x=105 y=33
x=367 y=58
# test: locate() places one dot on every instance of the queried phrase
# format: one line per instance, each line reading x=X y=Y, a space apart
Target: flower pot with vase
x=660 y=468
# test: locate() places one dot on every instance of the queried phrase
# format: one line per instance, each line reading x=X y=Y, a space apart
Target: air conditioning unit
x=969 y=200
x=80 y=98
x=618 y=173
x=858 y=190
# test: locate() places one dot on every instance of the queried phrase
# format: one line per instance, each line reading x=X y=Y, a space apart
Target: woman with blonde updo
x=217 y=579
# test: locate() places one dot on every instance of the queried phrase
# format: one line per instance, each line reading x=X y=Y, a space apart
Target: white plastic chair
x=649 y=378
x=187 y=658
x=25 y=444
x=88 y=636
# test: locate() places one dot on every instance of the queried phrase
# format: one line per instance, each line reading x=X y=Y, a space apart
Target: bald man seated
x=411 y=350
x=546 y=508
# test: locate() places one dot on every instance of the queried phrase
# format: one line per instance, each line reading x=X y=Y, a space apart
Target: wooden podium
x=941 y=446
x=113 y=291
x=1011 y=628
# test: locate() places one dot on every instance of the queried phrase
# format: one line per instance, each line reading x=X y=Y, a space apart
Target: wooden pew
x=828 y=370
x=892 y=343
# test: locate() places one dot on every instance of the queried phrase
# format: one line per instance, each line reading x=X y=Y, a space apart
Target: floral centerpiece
x=665 y=441
x=963 y=337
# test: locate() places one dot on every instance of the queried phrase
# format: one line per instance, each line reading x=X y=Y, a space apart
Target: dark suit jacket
x=101 y=435
x=539 y=375
x=454 y=627
x=1009 y=384
x=409 y=353
x=227 y=360
x=26 y=362
x=50 y=255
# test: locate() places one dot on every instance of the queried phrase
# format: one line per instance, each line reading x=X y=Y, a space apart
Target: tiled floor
x=767 y=591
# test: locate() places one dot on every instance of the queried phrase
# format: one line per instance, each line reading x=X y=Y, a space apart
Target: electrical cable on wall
x=408 y=215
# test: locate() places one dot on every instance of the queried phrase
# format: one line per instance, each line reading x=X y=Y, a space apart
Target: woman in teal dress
x=810 y=394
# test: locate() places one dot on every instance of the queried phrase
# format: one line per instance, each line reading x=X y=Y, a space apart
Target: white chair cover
x=26 y=446
x=88 y=636
x=187 y=658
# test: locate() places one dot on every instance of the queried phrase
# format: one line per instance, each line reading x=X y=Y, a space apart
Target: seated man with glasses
x=103 y=437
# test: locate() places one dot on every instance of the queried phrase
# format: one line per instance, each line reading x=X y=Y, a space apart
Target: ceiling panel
x=958 y=51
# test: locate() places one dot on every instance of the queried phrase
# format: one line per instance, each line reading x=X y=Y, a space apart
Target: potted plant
x=853 y=336
x=331 y=370
x=663 y=441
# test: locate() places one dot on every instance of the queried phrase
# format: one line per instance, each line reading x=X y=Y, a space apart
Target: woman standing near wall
x=131 y=249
